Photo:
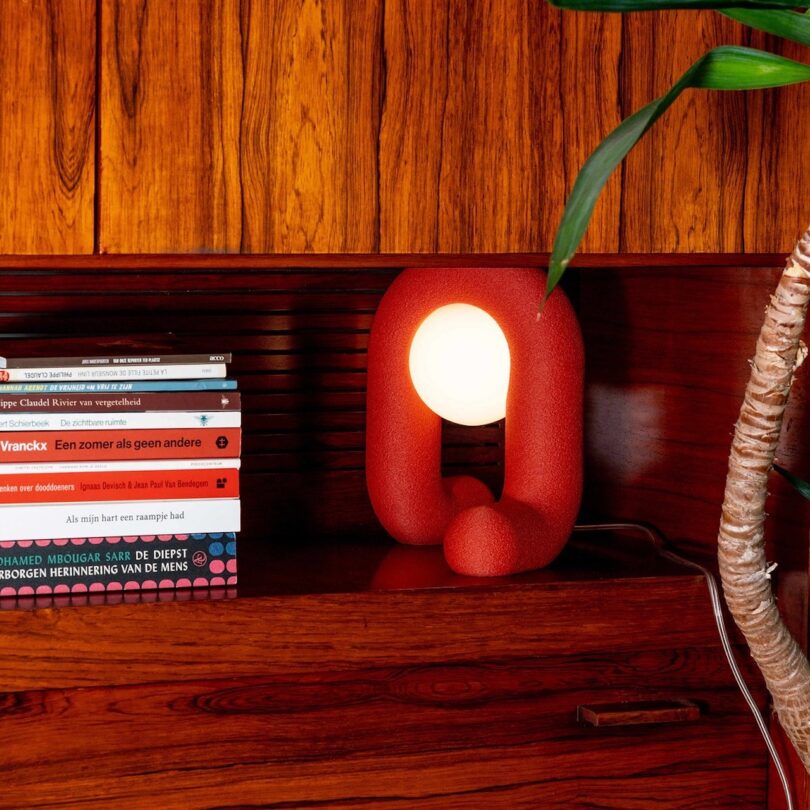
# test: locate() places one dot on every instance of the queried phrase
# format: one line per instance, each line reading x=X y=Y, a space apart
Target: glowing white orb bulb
x=459 y=364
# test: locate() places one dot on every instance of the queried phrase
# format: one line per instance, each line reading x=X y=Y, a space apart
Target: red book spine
x=114 y=445
x=131 y=485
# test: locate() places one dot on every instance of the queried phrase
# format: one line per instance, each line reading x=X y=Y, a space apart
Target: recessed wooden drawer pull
x=638 y=713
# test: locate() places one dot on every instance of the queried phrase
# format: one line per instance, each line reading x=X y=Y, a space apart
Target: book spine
x=103 y=373
x=116 y=387
x=119 y=466
x=92 y=445
x=110 y=360
x=34 y=522
x=157 y=420
x=130 y=563
x=99 y=403
x=131 y=485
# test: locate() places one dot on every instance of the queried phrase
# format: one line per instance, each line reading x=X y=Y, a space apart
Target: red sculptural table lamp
x=466 y=345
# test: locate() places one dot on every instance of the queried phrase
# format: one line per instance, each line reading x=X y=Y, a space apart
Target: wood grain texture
x=348 y=674
x=358 y=127
x=343 y=262
x=124 y=643
x=229 y=126
x=47 y=118
x=591 y=96
x=667 y=359
x=348 y=126
x=488 y=182
x=775 y=217
x=404 y=127
x=682 y=186
x=387 y=737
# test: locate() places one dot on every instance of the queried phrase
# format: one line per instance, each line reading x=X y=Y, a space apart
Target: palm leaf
x=784 y=23
x=772 y=16
x=802 y=486
x=724 y=68
x=658 y=5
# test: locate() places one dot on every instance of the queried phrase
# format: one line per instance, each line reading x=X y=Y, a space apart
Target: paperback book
x=114 y=360
x=63 y=486
x=134 y=562
x=96 y=373
x=176 y=402
x=108 y=444
x=117 y=518
x=114 y=387
x=156 y=420
x=138 y=455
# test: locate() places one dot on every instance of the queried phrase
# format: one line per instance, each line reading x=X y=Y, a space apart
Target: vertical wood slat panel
x=501 y=95
x=347 y=127
x=230 y=126
x=475 y=154
x=337 y=126
x=776 y=205
x=591 y=58
x=683 y=184
x=47 y=126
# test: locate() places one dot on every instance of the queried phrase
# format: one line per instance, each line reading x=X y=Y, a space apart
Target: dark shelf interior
x=378 y=564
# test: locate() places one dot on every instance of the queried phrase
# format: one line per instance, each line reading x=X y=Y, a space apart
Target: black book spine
x=112 y=360
x=117 y=564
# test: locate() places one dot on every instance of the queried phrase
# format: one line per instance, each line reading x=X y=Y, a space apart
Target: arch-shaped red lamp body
x=533 y=519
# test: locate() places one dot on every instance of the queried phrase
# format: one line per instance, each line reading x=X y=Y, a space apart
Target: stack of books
x=118 y=473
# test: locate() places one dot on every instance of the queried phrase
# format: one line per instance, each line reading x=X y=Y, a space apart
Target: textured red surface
x=530 y=523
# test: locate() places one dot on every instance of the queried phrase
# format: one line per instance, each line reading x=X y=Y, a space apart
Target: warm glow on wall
x=459 y=365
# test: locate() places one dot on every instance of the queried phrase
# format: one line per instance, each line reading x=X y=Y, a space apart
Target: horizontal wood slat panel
x=303 y=376
x=47 y=109
x=299 y=340
x=668 y=359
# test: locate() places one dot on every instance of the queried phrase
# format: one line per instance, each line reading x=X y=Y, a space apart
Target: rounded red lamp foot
x=542 y=388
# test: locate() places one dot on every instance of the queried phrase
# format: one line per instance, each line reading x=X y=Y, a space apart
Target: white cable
x=658 y=542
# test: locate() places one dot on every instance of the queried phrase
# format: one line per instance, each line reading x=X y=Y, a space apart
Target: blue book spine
x=117 y=387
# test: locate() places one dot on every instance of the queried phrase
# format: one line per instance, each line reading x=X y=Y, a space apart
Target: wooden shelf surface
x=375 y=604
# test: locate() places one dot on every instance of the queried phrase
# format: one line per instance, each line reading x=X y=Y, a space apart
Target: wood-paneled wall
x=47 y=126
x=340 y=126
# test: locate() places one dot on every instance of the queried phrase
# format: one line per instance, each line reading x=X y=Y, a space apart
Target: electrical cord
x=659 y=544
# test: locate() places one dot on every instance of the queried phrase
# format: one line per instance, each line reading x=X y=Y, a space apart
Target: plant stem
x=741 y=543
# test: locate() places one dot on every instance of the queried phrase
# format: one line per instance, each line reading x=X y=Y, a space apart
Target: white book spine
x=118 y=519
x=204 y=371
x=151 y=420
x=152 y=465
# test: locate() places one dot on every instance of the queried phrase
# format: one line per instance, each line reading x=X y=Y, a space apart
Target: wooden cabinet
x=342 y=136
x=348 y=669
x=460 y=697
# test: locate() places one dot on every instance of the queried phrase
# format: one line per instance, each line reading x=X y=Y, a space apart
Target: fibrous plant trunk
x=743 y=566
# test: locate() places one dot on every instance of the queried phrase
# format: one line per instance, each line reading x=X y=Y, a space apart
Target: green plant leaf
x=724 y=68
x=658 y=5
x=802 y=486
x=783 y=23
